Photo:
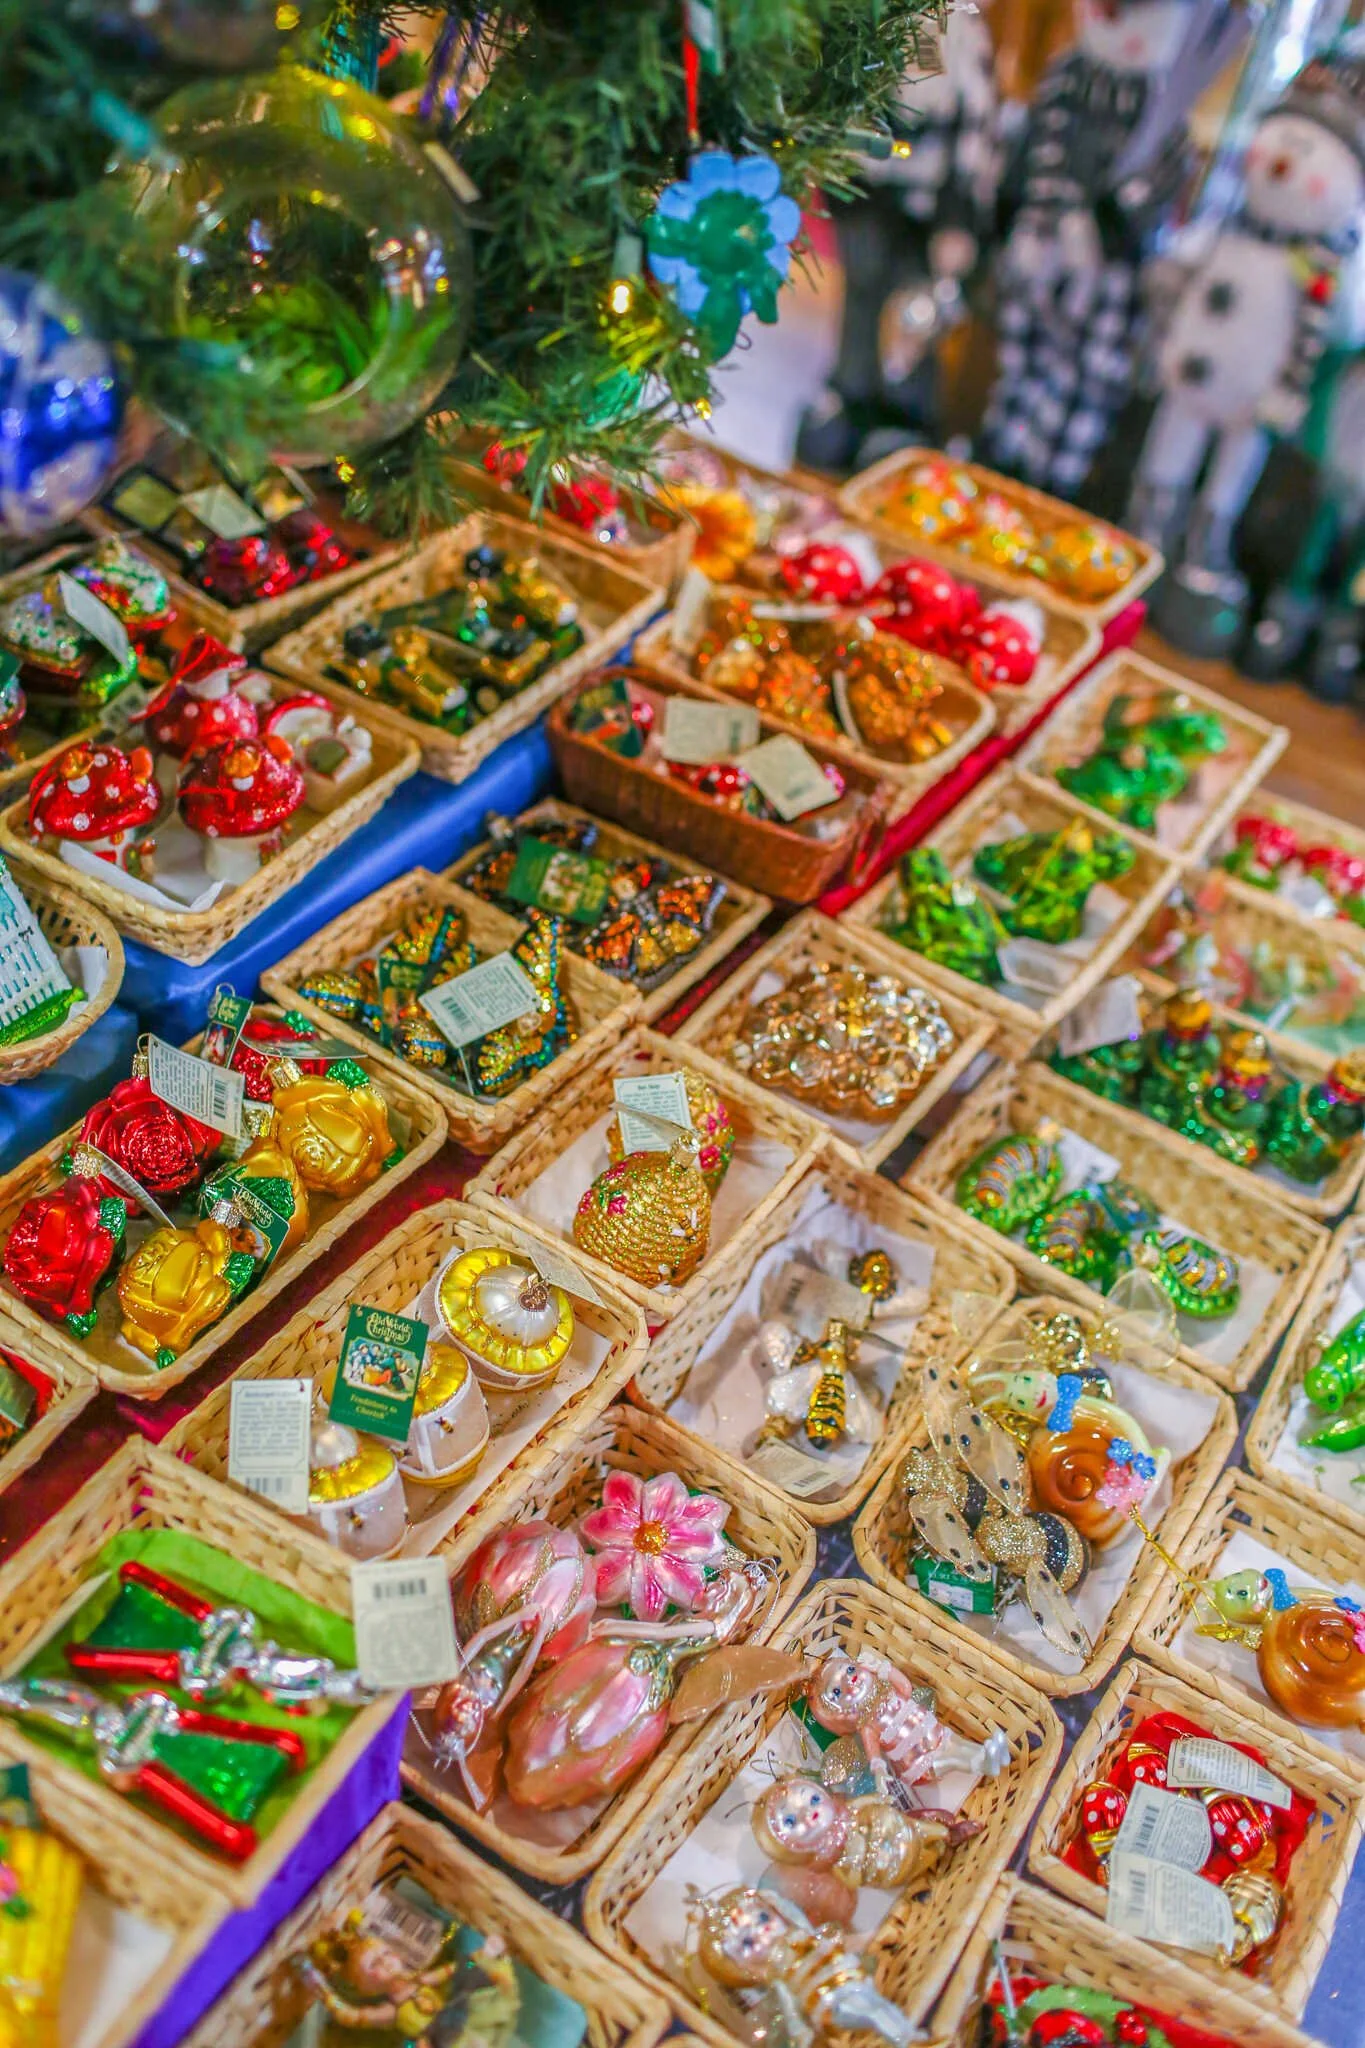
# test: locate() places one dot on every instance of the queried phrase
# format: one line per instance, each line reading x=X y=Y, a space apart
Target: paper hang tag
x=227 y=1013
x=696 y=732
x=219 y=508
x=1164 y=1828
x=124 y=1182
x=94 y=617
x=404 y=1624
x=378 y=1371
x=1199 y=1760
x=807 y=1297
x=948 y=1588
x=691 y=610
x=1160 y=1902
x=556 y=1269
x=404 y=1926
x=791 y=779
x=1084 y=1163
x=1109 y=1015
x=494 y=993
x=269 y=1433
x=211 y=1095
x=802 y=1473
x=658 y=1099
x=1031 y=964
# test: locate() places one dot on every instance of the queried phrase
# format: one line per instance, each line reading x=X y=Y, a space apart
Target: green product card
x=948 y=1588
x=16 y=1801
x=263 y=1206
x=144 y=501
x=227 y=1014
x=551 y=878
x=381 y=1363
x=17 y=1402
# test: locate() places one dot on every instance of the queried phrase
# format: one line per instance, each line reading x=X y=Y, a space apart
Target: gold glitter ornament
x=849 y=1042
x=930 y=513
x=177 y=1283
x=1086 y=559
x=336 y=991
x=1001 y=535
x=711 y=1122
x=513 y=1326
x=337 y=1134
x=649 y=1215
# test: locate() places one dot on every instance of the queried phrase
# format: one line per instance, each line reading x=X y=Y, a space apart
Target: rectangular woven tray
x=1314 y=828
x=73 y=1389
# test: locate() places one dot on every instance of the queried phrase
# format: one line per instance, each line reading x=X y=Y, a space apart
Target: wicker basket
x=808 y=941
x=1236 y=1218
x=66 y=920
x=964 y=709
x=195 y=935
x=1223 y=783
x=391 y=1277
x=130 y=1864
x=963 y=1265
x=739 y=912
x=73 y=1390
x=40 y=749
x=917 y=1944
x=146 y=1488
x=1317 y=1877
x=102 y=1352
x=1068 y=1946
x=535 y=1150
x=602 y=1006
x=1315 y=828
x=868 y=495
x=613 y=604
x=1299 y=1350
x=883 y=1536
x=976 y=822
x=779 y=860
x=761 y=1523
x=662 y=560
x=1303 y=1541
x=264 y=2004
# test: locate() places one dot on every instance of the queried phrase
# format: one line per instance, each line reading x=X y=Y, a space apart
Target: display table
x=32 y=1111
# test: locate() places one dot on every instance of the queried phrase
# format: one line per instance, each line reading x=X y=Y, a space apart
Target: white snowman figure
x=1237 y=357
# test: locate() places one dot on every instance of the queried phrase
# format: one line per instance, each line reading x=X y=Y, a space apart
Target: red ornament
x=998 y=649
x=256 y=1066
x=200 y=706
x=96 y=795
x=506 y=464
x=1131 y=2028
x=1063 y=2027
x=244 y=792
x=163 y=1149
x=313 y=548
x=1271 y=842
x=1340 y=872
x=1241 y=1828
x=929 y=605
x=246 y=571
x=824 y=573
x=59 y=1250
x=590 y=503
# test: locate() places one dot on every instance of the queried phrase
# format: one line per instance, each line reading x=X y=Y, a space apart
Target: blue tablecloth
x=425 y=823
x=33 y=1111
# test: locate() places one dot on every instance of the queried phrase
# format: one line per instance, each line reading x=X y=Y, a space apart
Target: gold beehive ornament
x=649 y=1215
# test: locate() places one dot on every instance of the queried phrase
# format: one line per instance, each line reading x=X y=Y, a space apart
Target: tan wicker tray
x=974 y=823
x=1221 y=785
x=1303 y=1541
x=868 y=496
x=262 y=2006
x=1317 y=1877
x=501 y=1187
x=116 y=1365
x=761 y=1523
x=916 y=1945
x=67 y=919
x=1235 y=1218
x=602 y=1006
x=73 y=1389
x=661 y=560
x=1068 y=1946
x=391 y=1277
x=147 y=1488
x=740 y=911
x=882 y=1534
x=1300 y=1350
x=613 y=604
x=806 y=942
x=963 y=1265
x=962 y=707
x=195 y=935
x=1314 y=827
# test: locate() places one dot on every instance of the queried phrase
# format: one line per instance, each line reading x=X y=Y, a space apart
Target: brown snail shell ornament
x=1067 y=1469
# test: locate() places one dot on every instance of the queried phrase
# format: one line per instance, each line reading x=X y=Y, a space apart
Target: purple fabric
x=371 y=1783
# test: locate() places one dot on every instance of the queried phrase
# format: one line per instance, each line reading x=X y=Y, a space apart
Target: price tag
x=404 y=1926
x=555 y=1268
x=788 y=776
x=661 y=1096
x=269 y=1428
x=1160 y=1902
x=1084 y=1163
x=94 y=617
x=696 y=732
x=211 y=1095
x=469 y=1006
x=806 y=1298
x=219 y=508
x=1110 y=1014
x=1161 y=1827
x=1031 y=964
x=404 y=1624
x=380 y=1366
x=802 y=1474
x=690 y=612
x=1199 y=1760
x=86 y=1154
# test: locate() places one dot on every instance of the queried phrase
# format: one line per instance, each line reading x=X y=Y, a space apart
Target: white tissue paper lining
x=113 y=1955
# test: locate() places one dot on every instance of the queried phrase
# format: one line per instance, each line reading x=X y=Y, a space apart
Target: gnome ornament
x=1243 y=340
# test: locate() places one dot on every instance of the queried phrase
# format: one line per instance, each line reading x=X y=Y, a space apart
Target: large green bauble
x=302 y=228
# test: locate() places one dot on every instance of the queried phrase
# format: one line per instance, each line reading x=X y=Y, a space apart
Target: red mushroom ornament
x=1001 y=645
x=332 y=749
x=201 y=706
x=96 y=796
x=239 y=797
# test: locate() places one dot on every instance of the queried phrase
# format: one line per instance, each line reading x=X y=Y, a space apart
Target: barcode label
x=211 y=1095
x=404 y=1925
x=269 y=1428
x=1199 y=1760
x=1159 y=1902
x=1166 y=1828
x=404 y=1623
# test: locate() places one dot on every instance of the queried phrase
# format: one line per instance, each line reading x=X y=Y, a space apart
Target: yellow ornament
x=1086 y=560
x=266 y=1159
x=931 y=514
x=712 y=1123
x=37 y=1923
x=514 y=1328
x=335 y=1130
x=449 y=1431
x=727 y=530
x=176 y=1284
x=1001 y=535
x=649 y=1215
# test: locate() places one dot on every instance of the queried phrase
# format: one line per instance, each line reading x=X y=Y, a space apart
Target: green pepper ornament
x=1048 y=877
x=1312 y=1126
x=1335 y=1384
x=946 y=921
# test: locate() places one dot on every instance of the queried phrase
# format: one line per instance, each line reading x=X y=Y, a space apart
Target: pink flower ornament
x=653 y=1542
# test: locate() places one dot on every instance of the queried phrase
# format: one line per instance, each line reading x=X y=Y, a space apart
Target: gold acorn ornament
x=712 y=1124
x=649 y=1215
x=355 y=1491
x=513 y=1327
x=449 y=1432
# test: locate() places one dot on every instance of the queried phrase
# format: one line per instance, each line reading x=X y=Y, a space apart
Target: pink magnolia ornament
x=653 y=1542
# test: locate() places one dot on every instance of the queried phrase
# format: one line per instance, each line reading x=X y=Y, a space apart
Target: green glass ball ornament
x=300 y=228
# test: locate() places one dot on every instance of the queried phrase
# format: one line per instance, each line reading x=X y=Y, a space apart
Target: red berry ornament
x=1131 y=2027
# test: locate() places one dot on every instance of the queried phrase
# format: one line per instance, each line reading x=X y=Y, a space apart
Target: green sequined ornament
x=1012 y=1179
x=1181 y=1059
x=1236 y=1104
x=1048 y=877
x=1200 y=1280
x=1108 y=1070
x=1312 y=1126
x=1078 y=1237
x=945 y=921
x=1128 y=782
x=505 y=1057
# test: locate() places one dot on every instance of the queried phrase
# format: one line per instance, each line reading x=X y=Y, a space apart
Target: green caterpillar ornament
x=1200 y=1281
x=1011 y=1180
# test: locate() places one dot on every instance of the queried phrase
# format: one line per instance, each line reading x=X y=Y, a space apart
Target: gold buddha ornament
x=649 y=1215
x=335 y=1129
x=176 y=1283
x=513 y=1327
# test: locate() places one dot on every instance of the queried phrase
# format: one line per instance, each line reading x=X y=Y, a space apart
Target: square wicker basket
x=603 y=1007
x=1321 y=1867
x=613 y=603
x=1234 y=1218
x=73 y=1389
x=809 y=941
x=1314 y=828
x=662 y=559
x=883 y=1536
x=917 y=1944
x=264 y=2004
x=761 y=1523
